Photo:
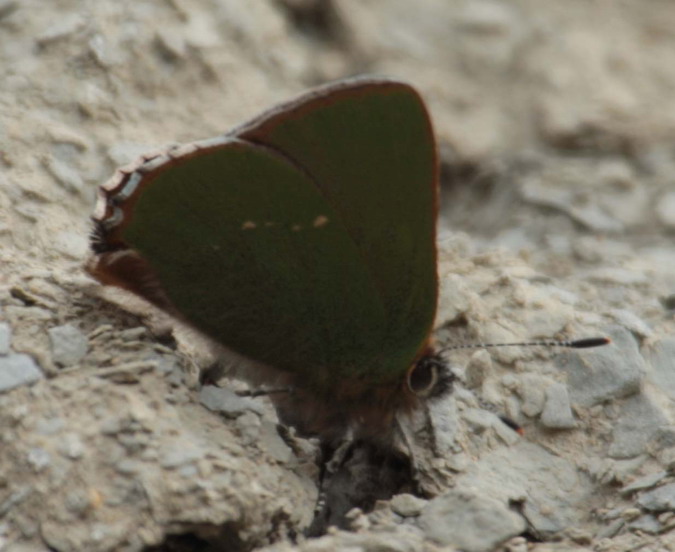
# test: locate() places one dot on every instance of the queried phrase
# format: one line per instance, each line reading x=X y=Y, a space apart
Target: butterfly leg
x=330 y=506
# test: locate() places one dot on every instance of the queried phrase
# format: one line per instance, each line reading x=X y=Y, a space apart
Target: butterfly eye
x=423 y=376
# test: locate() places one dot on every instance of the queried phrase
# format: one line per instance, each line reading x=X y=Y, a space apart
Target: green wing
x=307 y=240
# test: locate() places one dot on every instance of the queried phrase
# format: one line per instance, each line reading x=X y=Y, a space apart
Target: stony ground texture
x=556 y=123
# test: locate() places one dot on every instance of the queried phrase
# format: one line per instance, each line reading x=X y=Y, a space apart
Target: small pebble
x=16 y=370
x=69 y=345
x=557 y=413
x=407 y=505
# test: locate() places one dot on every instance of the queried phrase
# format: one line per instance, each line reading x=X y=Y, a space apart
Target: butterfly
x=304 y=242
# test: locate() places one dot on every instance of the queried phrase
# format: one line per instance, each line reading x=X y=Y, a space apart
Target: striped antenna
x=585 y=343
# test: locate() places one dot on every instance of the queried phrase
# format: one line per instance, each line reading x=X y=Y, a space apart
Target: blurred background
x=566 y=108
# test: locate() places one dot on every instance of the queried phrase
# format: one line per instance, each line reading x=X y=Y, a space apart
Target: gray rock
x=640 y=421
x=69 y=345
x=227 y=402
x=647 y=524
x=661 y=361
x=557 y=413
x=598 y=375
x=5 y=338
x=643 y=483
x=469 y=521
x=549 y=486
x=659 y=500
x=16 y=370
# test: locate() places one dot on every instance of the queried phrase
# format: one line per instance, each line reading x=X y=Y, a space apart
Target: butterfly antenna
x=585 y=343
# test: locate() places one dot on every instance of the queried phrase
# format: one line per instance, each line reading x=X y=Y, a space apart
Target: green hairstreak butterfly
x=304 y=241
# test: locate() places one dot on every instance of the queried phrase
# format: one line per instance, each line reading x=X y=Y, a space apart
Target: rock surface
x=557 y=212
x=468 y=521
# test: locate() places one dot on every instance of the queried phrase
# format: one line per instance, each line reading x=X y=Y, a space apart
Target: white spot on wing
x=320 y=221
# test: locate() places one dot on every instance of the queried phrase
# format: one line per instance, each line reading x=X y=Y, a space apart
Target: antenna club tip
x=590 y=342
